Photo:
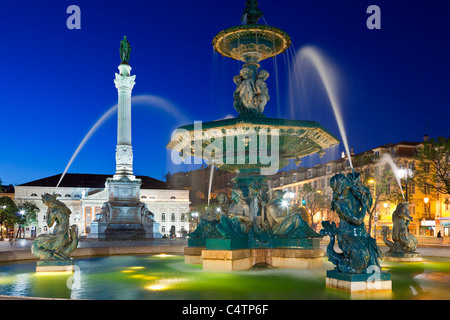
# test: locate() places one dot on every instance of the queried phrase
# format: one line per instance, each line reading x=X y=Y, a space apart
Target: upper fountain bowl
x=242 y=41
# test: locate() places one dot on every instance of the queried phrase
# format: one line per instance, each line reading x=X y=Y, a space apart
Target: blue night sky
x=56 y=83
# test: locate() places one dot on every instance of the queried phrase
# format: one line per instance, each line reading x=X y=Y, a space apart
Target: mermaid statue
x=64 y=239
x=351 y=201
x=403 y=243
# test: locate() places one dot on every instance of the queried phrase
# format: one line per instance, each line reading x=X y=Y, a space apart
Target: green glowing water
x=168 y=277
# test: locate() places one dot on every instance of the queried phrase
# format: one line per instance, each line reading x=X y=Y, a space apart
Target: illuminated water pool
x=141 y=277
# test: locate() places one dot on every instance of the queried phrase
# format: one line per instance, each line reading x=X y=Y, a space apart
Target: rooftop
x=85 y=180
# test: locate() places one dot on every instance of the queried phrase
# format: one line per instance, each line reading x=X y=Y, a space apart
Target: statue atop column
x=125 y=50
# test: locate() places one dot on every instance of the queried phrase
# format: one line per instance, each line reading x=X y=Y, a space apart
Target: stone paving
x=25 y=244
x=179 y=244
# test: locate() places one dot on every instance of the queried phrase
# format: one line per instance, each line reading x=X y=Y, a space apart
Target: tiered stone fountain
x=254 y=227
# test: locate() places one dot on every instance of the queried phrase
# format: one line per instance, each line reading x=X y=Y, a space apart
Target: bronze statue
x=125 y=50
x=274 y=210
x=402 y=241
x=64 y=240
x=351 y=201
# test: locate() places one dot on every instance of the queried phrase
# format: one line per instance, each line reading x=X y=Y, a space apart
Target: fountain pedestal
x=242 y=259
x=55 y=266
x=402 y=257
x=358 y=282
x=241 y=254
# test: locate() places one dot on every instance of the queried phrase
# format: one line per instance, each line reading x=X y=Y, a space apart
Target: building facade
x=430 y=210
x=85 y=194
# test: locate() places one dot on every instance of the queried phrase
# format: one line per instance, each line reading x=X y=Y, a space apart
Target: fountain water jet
x=323 y=67
x=149 y=100
x=386 y=158
x=210 y=182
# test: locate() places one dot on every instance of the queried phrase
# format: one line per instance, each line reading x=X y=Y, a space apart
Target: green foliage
x=27 y=213
x=433 y=166
x=312 y=200
x=8 y=213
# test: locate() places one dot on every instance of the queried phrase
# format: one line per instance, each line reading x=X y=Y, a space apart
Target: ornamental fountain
x=253 y=228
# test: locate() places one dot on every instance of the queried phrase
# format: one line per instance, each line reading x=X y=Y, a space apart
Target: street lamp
x=385 y=205
x=405 y=173
x=426 y=200
x=375 y=219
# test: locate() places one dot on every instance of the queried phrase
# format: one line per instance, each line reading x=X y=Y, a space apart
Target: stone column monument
x=124 y=216
x=124 y=83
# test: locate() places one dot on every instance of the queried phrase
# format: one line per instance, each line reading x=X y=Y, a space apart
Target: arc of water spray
x=86 y=138
x=139 y=99
x=386 y=158
x=210 y=182
x=323 y=68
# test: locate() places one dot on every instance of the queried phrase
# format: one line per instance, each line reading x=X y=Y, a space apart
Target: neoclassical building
x=84 y=195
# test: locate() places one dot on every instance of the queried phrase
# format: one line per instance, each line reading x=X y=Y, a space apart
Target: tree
x=313 y=201
x=27 y=214
x=8 y=210
x=433 y=166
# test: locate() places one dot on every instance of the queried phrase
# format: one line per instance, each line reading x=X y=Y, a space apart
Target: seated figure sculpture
x=403 y=241
x=293 y=226
x=103 y=215
x=278 y=225
x=274 y=210
x=235 y=224
x=64 y=239
x=351 y=201
x=207 y=226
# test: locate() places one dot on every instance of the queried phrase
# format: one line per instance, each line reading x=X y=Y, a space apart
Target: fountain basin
x=167 y=277
x=238 y=41
x=295 y=139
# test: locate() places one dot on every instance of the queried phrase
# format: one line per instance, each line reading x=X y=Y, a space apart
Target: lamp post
x=405 y=173
x=375 y=219
x=385 y=205
x=426 y=200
